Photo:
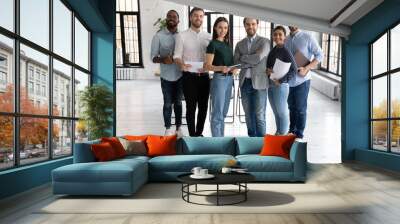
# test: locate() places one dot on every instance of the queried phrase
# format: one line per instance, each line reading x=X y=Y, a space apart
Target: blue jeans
x=221 y=92
x=297 y=101
x=254 y=105
x=278 y=97
x=173 y=94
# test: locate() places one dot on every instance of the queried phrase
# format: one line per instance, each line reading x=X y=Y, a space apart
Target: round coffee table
x=238 y=179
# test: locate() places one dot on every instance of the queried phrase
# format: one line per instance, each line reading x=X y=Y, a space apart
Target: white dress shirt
x=191 y=46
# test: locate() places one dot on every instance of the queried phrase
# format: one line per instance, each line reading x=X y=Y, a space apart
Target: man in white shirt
x=190 y=46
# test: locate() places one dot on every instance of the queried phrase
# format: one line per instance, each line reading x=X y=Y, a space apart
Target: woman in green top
x=219 y=58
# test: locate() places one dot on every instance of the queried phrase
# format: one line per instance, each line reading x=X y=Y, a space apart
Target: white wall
x=150 y=11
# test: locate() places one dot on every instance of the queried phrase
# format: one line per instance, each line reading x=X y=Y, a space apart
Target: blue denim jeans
x=173 y=95
x=254 y=103
x=297 y=101
x=221 y=92
x=278 y=97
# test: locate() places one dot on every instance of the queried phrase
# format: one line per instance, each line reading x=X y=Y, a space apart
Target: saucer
x=208 y=176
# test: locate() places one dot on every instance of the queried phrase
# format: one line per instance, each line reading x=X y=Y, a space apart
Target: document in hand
x=235 y=66
x=195 y=66
x=280 y=69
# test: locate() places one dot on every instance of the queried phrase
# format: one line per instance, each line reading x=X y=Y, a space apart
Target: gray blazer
x=255 y=60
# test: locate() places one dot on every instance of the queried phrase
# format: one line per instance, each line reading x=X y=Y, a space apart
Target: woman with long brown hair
x=219 y=58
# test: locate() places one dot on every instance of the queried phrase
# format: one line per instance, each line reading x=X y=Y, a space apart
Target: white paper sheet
x=196 y=65
x=280 y=69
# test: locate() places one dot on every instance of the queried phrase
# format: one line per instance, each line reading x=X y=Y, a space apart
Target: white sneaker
x=179 y=133
x=169 y=132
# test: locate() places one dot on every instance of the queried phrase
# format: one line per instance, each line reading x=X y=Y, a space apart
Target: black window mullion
x=389 y=102
x=328 y=53
x=122 y=27
x=50 y=81
x=16 y=84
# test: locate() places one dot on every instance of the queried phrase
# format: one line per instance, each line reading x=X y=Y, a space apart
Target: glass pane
x=81 y=131
x=379 y=56
x=131 y=39
x=118 y=38
x=325 y=47
x=6 y=74
x=379 y=98
x=395 y=47
x=62 y=89
x=81 y=45
x=395 y=95
x=35 y=21
x=7 y=14
x=395 y=138
x=379 y=135
x=127 y=5
x=62 y=29
x=34 y=82
x=33 y=139
x=6 y=142
x=62 y=138
x=81 y=81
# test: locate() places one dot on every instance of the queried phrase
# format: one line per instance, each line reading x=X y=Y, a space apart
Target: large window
x=40 y=80
x=129 y=49
x=331 y=46
x=385 y=95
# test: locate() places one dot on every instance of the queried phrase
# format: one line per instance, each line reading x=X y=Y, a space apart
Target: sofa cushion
x=134 y=147
x=161 y=145
x=257 y=163
x=185 y=163
x=207 y=145
x=249 y=145
x=103 y=152
x=277 y=145
x=83 y=152
x=112 y=171
x=116 y=145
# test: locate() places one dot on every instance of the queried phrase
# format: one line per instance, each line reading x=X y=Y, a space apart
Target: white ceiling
x=315 y=15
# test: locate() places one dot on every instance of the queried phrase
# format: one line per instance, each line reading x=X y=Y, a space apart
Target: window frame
x=231 y=24
x=16 y=115
x=122 y=14
x=328 y=56
x=388 y=74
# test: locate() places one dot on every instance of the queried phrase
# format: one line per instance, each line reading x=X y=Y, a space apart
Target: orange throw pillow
x=103 y=152
x=116 y=145
x=277 y=145
x=161 y=145
x=136 y=137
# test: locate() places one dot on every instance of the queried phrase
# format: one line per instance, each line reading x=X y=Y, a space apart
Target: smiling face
x=172 y=19
x=251 y=26
x=221 y=29
x=196 y=19
x=279 y=37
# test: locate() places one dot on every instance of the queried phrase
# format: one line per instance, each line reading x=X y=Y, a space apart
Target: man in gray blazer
x=251 y=53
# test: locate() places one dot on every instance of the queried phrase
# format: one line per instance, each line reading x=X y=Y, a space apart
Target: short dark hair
x=172 y=10
x=281 y=28
x=245 y=18
x=195 y=9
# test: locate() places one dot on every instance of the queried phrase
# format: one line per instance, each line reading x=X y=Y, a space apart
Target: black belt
x=196 y=73
x=226 y=74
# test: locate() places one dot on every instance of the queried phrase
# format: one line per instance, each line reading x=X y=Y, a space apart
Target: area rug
x=167 y=198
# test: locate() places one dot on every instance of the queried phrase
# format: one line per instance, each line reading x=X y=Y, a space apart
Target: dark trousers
x=173 y=94
x=297 y=101
x=196 y=90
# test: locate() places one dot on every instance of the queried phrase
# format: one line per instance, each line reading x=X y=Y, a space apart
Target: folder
x=300 y=59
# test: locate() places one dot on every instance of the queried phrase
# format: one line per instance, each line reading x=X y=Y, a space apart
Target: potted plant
x=96 y=102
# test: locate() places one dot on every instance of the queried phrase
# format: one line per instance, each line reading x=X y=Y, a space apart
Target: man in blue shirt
x=162 y=51
x=307 y=54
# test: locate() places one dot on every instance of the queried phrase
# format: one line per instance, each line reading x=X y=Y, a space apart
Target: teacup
x=203 y=172
x=196 y=171
x=226 y=170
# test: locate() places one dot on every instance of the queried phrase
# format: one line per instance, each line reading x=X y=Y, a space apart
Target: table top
x=220 y=178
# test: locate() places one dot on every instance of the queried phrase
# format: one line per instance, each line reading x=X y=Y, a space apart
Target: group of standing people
x=178 y=53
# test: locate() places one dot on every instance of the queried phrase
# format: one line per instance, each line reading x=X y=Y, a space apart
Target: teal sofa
x=125 y=176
